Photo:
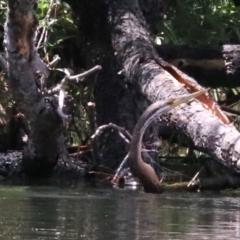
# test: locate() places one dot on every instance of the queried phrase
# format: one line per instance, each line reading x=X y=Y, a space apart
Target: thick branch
x=136 y=53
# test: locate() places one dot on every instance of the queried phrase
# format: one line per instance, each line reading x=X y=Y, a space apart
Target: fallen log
x=136 y=54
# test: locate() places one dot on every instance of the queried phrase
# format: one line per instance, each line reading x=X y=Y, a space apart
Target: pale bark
x=136 y=53
x=25 y=68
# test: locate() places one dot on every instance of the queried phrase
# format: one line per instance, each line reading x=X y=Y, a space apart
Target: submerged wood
x=142 y=170
x=63 y=173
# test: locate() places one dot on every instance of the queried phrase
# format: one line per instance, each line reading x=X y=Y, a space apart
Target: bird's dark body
x=140 y=169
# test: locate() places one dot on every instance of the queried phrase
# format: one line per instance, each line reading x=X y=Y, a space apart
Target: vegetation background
x=185 y=22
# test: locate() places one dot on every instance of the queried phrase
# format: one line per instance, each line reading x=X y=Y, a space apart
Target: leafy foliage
x=56 y=35
x=200 y=22
x=55 y=27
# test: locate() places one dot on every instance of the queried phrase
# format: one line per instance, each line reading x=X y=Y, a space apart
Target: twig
x=41 y=37
x=63 y=84
x=117 y=174
x=61 y=98
x=45 y=30
x=61 y=87
x=123 y=133
x=91 y=117
x=54 y=62
x=69 y=77
x=85 y=74
x=194 y=178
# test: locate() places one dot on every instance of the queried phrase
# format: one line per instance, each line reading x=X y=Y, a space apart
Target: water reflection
x=29 y=213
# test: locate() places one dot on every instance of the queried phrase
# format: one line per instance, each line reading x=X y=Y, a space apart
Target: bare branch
x=44 y=34
x=55 y=60
x=123 y=133
x=118 y=172
x=61 y=87
x=85 y=74
x=69 y=77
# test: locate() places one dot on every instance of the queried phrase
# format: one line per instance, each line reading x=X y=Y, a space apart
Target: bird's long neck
x=144 y=171
x=142 y=124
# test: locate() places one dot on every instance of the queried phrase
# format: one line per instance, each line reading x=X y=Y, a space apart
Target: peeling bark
x=121 y=99
x=135 y=51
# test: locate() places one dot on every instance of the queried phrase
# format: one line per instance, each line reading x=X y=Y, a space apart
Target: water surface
x=37 y=212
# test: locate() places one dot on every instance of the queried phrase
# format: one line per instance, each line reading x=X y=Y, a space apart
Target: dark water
x=88 y=213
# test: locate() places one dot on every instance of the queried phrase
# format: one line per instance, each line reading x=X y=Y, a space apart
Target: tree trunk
x=25 y=68
x=114 y=99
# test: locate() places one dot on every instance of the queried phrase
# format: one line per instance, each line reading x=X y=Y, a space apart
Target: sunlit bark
x=135 y=51
x=25 y=68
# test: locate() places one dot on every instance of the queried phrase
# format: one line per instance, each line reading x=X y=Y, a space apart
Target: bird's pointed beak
x=185 y=99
